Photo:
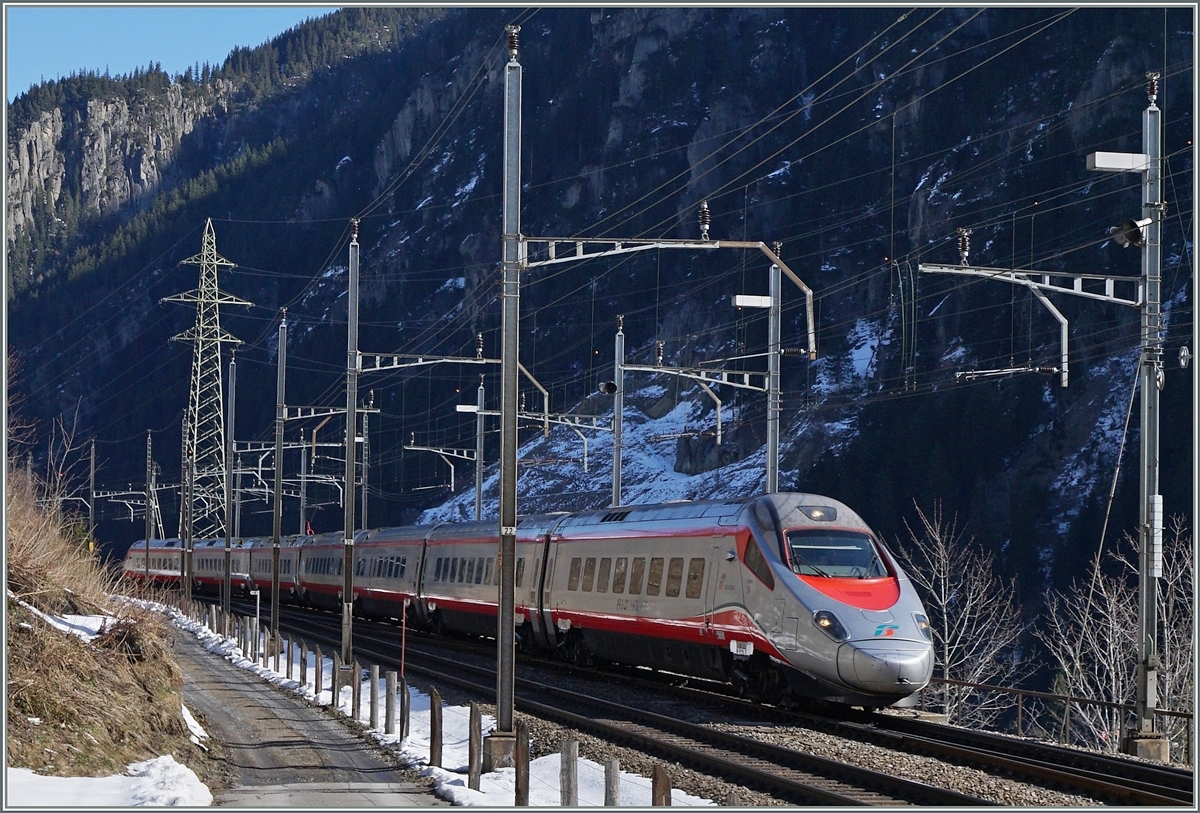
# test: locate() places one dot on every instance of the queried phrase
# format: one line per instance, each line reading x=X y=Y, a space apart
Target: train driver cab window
x=834 y=554
x=622 y=565
x=602 y=575
x=654 y=581
x=589 y=573
x=573 y=575
x=674 y=577
x=757 y=563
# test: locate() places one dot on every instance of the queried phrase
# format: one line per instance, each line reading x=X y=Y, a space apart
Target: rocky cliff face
x=116 y=155
x=860 y=150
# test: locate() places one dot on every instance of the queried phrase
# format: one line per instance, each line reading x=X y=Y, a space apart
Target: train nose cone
x=895 y=667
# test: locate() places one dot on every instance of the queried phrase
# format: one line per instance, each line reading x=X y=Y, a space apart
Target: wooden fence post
x=288 y=647
x=374 y=682
x=568 y=774
x=356 y=692
x=335 y=681
x=474 y=747
x=318 y=674
x=660 y=787
x=405 y=707
x=612 y=783
x=303 y=664
x=435 y=728
x=521 y=764
x=389 y=703
x=733 y=800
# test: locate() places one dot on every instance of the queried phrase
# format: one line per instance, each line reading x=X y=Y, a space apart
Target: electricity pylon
x=204 y=422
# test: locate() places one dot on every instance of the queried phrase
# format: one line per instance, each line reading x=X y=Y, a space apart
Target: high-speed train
x=782 y=595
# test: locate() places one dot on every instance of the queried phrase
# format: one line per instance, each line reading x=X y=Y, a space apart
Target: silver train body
x=782 y=595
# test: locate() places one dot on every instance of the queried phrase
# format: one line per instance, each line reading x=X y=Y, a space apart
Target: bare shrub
x=1091 y=632
x=973 y=612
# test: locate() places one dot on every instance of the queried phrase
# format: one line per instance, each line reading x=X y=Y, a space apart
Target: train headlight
x=828 y=623
x=923 y=626
x=819 y=513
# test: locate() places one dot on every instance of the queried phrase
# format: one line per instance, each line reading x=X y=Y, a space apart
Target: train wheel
x=575 y=650
x=767 y=682
x=525 y=642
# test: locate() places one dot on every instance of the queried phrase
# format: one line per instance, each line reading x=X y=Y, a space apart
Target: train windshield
x=835 y=554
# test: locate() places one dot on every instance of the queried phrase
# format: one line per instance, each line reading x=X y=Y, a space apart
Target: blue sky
x=50 y=41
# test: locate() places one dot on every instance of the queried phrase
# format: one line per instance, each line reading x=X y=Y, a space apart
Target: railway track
x=789 y=775
x=1109 y=779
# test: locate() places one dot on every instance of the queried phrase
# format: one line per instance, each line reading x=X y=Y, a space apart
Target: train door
x=543 y=628
x=723 y=584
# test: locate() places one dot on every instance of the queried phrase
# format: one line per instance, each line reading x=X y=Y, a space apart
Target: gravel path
x=280 y=751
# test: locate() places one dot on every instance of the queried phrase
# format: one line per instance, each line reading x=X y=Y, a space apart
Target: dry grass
x=79 y=708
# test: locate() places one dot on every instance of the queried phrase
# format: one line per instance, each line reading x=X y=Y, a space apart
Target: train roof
x=709 y=510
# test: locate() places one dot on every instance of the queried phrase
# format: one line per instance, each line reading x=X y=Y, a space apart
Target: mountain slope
x=859 y=138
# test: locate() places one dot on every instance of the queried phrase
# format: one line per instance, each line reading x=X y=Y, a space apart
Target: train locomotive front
x=842 y=615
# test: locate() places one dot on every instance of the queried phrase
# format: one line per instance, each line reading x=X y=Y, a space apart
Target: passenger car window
x=695 y=582
x=589 y=573
x=520 y=575
x=573 y=575
x=654 y=580
x=602 y=575
x=674 y=576
x=636 y=574
x=618 y=585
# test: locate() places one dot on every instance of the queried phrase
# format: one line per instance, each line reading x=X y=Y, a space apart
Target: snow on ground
x=156 y=782
x=163 y=781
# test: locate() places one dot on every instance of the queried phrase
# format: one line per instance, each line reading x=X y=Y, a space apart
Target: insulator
x=522 y=402
x=1152 y=85
x=964 y=244
x=777 y=247
x=478 y=345
x=513 y=42
x=705 y=219
x=658 y=353
x=621 y=322
x=354 y=228
x=412 y=438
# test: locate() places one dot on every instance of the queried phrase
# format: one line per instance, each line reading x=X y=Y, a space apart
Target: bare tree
x=973 y=612
x=1091 y=635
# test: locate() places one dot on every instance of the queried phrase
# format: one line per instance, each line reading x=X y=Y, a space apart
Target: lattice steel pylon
x=204 y=422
